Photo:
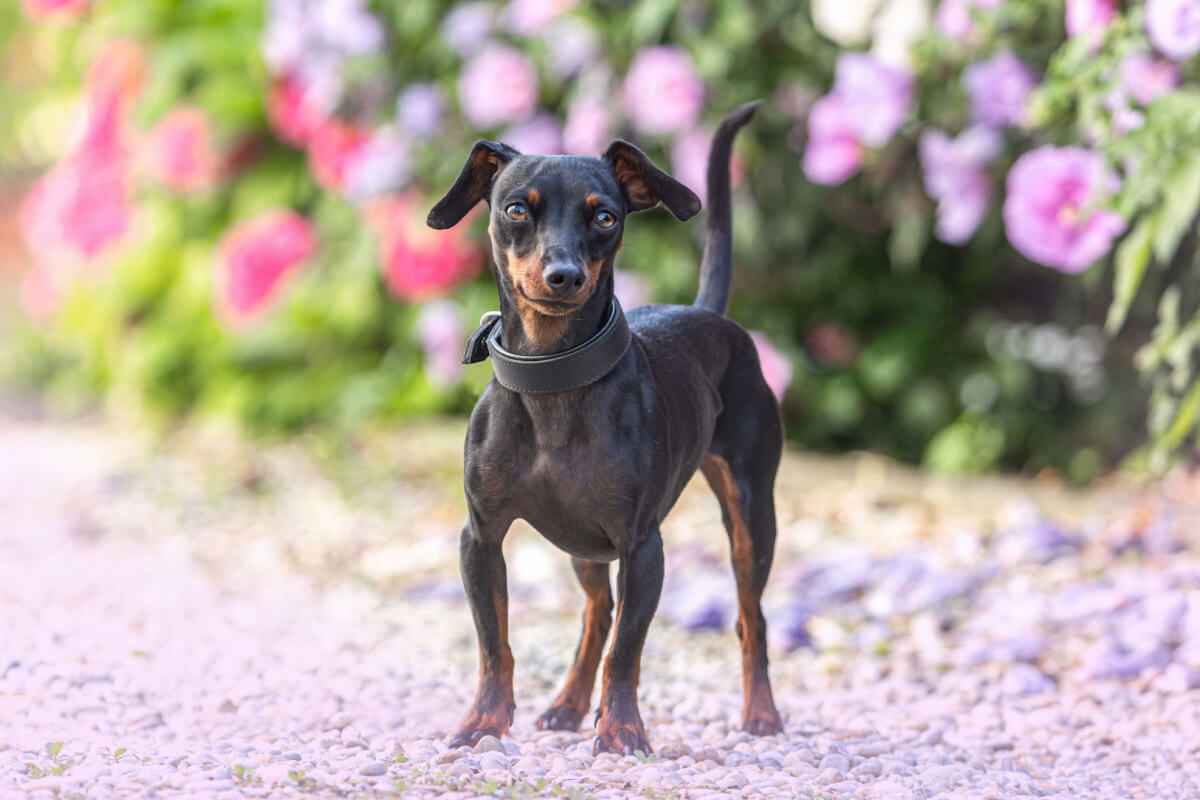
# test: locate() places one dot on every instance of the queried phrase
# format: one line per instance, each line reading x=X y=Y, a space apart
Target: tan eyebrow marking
x=533 y=197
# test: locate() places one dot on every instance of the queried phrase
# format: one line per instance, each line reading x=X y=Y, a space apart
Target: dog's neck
x=526 y=332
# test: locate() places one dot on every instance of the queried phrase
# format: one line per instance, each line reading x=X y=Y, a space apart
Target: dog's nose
x=563 y=277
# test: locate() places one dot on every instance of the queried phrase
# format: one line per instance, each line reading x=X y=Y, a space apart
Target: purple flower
x=348 y=27
x=776 y=367
x=954 y=17
x=384 y=164
x=588 y=126
x=1052 y=213
x=877 y=96
x=1174 y=27
x=630 y=288
x=662 y=92
x=998 y=88
x=530 y=17
x=1090 y=18
x=1145 y=77
x=419 y=109
x=440 y=329
x=542 y=135
x=571 y=45
x=497 y=85
x=833 y=153
x=957 y=178
x=468 y=26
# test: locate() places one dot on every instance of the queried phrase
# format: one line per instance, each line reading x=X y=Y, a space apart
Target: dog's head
x=556 y=221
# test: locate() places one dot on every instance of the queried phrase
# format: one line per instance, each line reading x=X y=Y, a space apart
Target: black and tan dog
x=592 y=426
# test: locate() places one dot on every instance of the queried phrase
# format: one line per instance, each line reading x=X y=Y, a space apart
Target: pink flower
x=588 y=126
x=179 y=152
x=418 y=262
x=116 y=74
x=1174 y=27
x=1145 y=77
x=689 y=161
x=440 y=329
x=631 y=289
x=84 y=204
x=542 y=135
x=998 y=88
x=776 y=367
x=498 y=85
x=257 y=256
x=56 y=9
x=530 y=17
x=1053 y=213
x=333 y=149
x=877 y=97
x=662 y=92
x=468 y=26
x=289 y=114
x=954 y=17
x=956 y=177
x=833 y=153
x=1090 y=18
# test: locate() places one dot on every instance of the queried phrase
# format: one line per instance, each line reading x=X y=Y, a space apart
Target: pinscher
x=594 y=421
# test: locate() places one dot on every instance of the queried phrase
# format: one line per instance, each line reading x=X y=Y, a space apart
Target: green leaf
x=1132 y=258
x=54 y=748
x=1184 y=421
x=1181 y=196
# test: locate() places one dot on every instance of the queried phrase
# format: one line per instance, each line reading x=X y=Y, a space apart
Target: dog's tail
x=716 y=268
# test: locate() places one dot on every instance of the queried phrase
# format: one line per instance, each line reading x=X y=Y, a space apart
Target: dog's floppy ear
x=645 y=185
x=474 y=183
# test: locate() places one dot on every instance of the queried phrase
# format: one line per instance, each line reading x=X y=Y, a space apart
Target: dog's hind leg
x=572 y=703
x=744 y=484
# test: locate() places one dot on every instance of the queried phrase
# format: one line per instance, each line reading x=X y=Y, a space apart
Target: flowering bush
x=239 y=228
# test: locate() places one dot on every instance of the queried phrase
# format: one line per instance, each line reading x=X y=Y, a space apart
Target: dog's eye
x=517 y=211
x=605 y=219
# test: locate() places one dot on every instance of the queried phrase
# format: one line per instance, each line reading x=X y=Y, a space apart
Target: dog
x=594 y=422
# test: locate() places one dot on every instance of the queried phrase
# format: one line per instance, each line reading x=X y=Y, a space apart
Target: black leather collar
x=580 y=366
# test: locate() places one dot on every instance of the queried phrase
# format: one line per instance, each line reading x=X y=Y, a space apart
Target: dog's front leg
x=485 y=580
x=619 y=725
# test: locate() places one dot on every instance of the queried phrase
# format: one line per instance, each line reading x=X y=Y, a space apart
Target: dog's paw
x=763 y=724
x=560 y=718
x=479 y=724
x=621 y=738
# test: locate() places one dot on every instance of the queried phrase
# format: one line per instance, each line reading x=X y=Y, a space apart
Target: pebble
x=489 y=744
x=835 y=761
x=373 y=769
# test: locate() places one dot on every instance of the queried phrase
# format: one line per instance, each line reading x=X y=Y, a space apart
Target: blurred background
x=964 y=232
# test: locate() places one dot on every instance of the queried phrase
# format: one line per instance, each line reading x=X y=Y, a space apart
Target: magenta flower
x=497 y=86
x=440 y=330
x=1090 y=19
x=877 y=97
x=954 y=17
x=542 y=135
x=998 y=88
x=689 y=161
x=1174 y=27
x=530 y=17
x=1053 y=213
x=776 y=366
x=289 y=113
x=334 y=147
x=662 y=92
x=419 y=263
x=833 y=153
x=1144 y=77
x=179 y=151
x=56 y=9
x=956 y=177
x=588 y=128
x=256 y=258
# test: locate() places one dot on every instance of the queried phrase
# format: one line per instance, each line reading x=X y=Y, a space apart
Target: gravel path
x=218 y=621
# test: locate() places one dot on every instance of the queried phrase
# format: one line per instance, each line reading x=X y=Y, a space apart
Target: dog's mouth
x=552 y=307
